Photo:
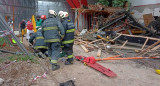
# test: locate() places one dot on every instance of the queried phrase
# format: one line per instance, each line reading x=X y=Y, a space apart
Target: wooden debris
x=124 y=44
x=80 y=41
x=154 y=55
x=117 y=37
x=156 y=47
x=1 y=81
x=148 y=49
x=84 y=48
x=99 y=52
x=104 y=45
x=95 y=41
x=145 y=43
x=151 y=38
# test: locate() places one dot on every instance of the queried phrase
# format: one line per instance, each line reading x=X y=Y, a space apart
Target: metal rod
x=4 y=23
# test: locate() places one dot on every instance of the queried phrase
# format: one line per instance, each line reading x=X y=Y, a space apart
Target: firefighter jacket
x=39 y=42
x=69 y=31
x=52 y=30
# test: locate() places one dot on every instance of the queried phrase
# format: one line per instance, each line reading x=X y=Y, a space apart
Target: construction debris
x=99 y=53
x=120 y=31
x=84 y=48
x=1 y=81
x=104 y=30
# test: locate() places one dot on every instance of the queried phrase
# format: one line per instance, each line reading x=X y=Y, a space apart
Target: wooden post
x=76 y=17
x=99 y=52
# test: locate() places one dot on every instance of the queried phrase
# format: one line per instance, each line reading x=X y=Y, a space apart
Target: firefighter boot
x=55 y=67
x=69 y=61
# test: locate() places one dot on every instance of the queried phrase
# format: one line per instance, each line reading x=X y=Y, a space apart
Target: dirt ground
x=129 y=73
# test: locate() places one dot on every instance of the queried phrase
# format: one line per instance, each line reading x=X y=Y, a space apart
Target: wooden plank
x=148 y=49
x=156 y=47
x=148 y=18
x=86 y=43
x=145 y=44
x=104 y=45
x=117 y=37
x=84 y=48
x=140 y=36
x=124 y=44
x=95 y=41
x=99 y=52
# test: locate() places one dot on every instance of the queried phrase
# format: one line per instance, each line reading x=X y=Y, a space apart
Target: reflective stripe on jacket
x=52 y=30
x=39 y=40
x=69 y=31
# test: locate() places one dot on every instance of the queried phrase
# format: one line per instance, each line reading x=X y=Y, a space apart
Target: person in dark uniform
x=40 y=46
x=68 y=40
x=53 y=33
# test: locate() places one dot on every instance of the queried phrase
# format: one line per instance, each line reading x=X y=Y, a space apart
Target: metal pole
x=6 y=37
x=3 y=22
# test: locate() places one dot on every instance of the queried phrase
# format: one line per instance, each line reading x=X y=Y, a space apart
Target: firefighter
x=40 y=46
x=68 y=40
x=53 y=33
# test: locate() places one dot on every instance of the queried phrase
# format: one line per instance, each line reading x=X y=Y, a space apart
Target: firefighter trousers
x=54 y=51
x=68 y=49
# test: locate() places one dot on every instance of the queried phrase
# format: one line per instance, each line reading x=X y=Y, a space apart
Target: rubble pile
x=121 y=35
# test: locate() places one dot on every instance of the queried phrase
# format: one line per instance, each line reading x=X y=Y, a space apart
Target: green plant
x=23 y=58
x=104 y=2
x=2 y=59
x=118 y=3
x=2 y=41
x=115 y=3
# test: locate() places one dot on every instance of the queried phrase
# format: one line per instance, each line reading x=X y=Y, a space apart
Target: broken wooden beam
x=148 y=49
x=145 y=44
x=116 y=37
x=86 y=43
x=151 y=38
x=95 y=41
x=124 y=44
x=156 y=47
x=84 y=48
